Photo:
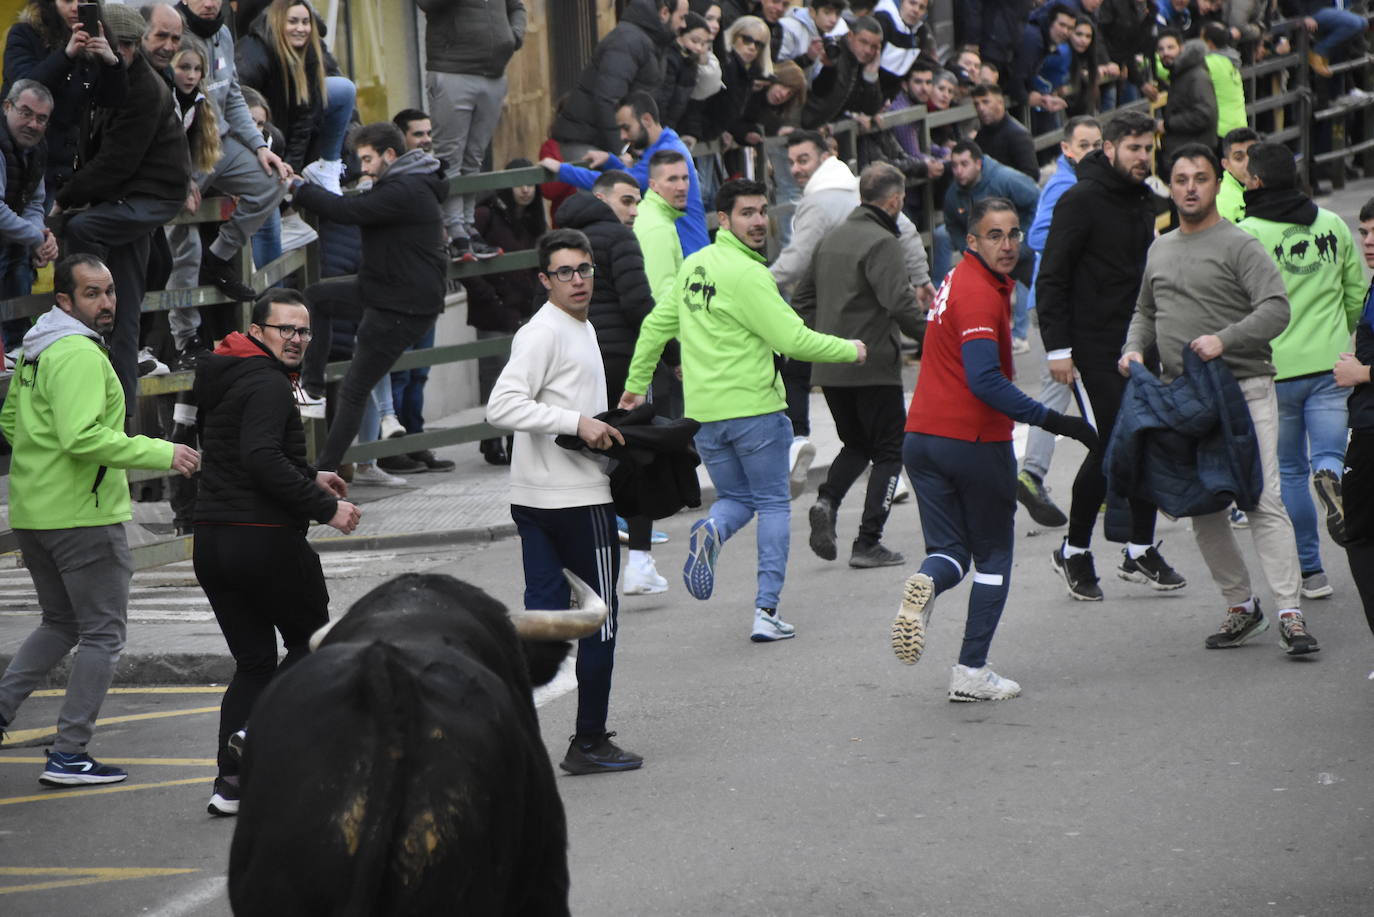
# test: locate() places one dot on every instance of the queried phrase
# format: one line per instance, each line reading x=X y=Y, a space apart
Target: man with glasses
x=25 y=242
x=256 y=500
x=1094 y=257
x=554 y=384
x=958 y=451
x=399 y=290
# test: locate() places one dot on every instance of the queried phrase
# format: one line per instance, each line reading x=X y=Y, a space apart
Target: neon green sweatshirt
x=656 y=229
x=64 y=418
x=1229 y=89
x=726 y=312
x=1324 y=275
x=1231 y=198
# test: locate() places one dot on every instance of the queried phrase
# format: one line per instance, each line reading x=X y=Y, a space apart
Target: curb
x=474 y=535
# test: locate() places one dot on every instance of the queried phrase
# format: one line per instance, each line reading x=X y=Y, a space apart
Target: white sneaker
x=149 y=365
x=326 y=173
x=1020 y=345
x=311 y=408
x=371 y=474
x=391 y=427
x=903 y=491
x=969 y=685
x=913 y=618
x=800 y=455
x=296 y=232
x=769 y=627
x=641 y=576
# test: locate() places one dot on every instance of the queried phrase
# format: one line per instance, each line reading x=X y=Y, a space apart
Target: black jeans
x=119 y=234
x=259 y=579
x=796 y=381
x=1103 y=389
x=869 y=420
x=382 y=337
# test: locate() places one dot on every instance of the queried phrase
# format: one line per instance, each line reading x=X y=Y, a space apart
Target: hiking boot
x=1151 y=568
x=1238 y=518
x=1035 y=497
x=971 y=685
x=401 y=464
x=224 y=800
x=642 y=576
x=1316 y=586
x=800 y=455
x=431 y=461
x=1293 y=635
x=1079 y=574
x=822 y=518
x=1329 y=492
x=220 y=273
x=78 y=769
x=598 y=755
x=703 y=547
x=1240 y=625
x=769 y=627
x=913 y=618
x=874 y=555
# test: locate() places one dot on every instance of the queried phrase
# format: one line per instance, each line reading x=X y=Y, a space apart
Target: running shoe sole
x=1042 y=511
x=222 y=807
x=822 y=532
x=699 y=573
x=1140 y=576
x=1062 y=570
x=1325 y=483
x=1260 y=627
x=51 y=779
x=913 y=617
x=796 y=478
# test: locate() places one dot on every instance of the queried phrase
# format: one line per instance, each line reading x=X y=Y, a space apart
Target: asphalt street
x=1139 y=774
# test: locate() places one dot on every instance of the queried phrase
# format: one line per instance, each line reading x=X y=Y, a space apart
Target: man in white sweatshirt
x=553 y=384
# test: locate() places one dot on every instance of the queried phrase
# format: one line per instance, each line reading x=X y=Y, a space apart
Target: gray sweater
x=1219 y=281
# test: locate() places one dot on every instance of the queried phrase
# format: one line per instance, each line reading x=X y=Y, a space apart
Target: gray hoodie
x=51 y=327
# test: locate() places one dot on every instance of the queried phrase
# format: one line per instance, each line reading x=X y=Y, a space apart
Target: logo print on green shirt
x=1301 y=252
x=699 y=291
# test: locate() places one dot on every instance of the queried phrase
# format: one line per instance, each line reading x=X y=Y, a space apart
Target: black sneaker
x=1294 y=637
x=1079 y=574
x=598 y=755
x=224 y=800
x=1032 y=494
x=401 y=464
x=220 y=273
x=1328 y=488
x=822 y=518
x=235 y=744
x=494 y=451
x=431 y=461
x=482 y=250
x=460 y=249
x=877 y=555
x=1240 y=625
x=1151 y=568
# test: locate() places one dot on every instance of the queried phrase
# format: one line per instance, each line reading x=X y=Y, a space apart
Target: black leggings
x=259 y=580
x=1357 y=496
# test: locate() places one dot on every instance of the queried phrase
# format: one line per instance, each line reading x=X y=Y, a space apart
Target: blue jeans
x=943 y=254
x=1334 y=28
x=747 y=460
x=1312 y=435
x=340 y=94
x=1020 y=312
x=408 y=390
x=16 y=279
x=785 y=190
x=378 y=403
x=267 y=241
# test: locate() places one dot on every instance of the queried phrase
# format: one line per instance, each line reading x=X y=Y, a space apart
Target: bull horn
x=586 y=616
x=318 y=636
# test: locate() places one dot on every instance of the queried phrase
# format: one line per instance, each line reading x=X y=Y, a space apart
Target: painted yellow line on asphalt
x=79 y=876
x=122 y=762
x=25 y=735
x=192 y=689
x=100 y=791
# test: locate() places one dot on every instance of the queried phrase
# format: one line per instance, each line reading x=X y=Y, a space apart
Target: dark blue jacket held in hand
x=1188 y=446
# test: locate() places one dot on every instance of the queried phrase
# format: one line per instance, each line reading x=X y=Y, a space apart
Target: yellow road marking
x=79 y=876
x=25 y=735
x=193 y=689
x=123 y=762
x=100 y=791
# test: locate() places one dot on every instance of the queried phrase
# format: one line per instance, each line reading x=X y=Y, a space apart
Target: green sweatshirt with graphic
x=726 y=312
x=1230 y=91
x=1324 y=274
x=64 y=419
x=656 y=229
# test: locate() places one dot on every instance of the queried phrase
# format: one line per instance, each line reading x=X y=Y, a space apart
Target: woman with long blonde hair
x=193 y=107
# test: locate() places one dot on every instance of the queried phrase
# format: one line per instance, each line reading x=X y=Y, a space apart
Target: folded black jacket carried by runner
x=655 y=473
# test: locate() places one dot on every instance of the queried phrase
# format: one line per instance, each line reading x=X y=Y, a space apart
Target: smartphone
x=88 y=15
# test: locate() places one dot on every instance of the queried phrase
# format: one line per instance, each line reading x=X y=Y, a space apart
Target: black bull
x=399 y=769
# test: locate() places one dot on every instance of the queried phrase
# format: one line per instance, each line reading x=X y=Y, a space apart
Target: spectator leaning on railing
x=25 y=242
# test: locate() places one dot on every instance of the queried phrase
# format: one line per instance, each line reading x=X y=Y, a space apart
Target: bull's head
x=586 y=617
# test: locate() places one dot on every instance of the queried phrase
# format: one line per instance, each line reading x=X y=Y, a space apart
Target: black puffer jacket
x=673 y=94
x=707 y=119
x=1191 y=115
x=1092 y=264
x=1127 y=30
x=261 y=68
x=630 y=58
x=405 y=263
x=839 y=88
x=620 y=299
x=254 y=470
x=505 y=301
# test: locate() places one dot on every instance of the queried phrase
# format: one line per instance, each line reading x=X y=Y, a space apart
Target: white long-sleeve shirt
x=554 y=377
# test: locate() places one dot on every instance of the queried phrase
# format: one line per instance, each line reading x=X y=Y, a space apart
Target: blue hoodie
x=691 y=228
x=998 y=180
x=1064 y=178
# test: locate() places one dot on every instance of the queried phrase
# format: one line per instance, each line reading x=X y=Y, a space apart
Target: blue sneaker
x=623 y=528
x=77 y=770
x=699 y=574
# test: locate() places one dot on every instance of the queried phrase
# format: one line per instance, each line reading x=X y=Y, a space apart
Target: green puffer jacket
x=64 y=418
x=726 y=312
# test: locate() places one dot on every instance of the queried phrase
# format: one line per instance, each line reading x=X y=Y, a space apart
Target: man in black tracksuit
x=399 y=290
x=1090 y=275
x=857 y=286
x=256 y=499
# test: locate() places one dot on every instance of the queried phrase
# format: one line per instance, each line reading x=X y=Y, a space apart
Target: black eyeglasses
x=585 y=270
x=291 y=331
x=753 y=42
